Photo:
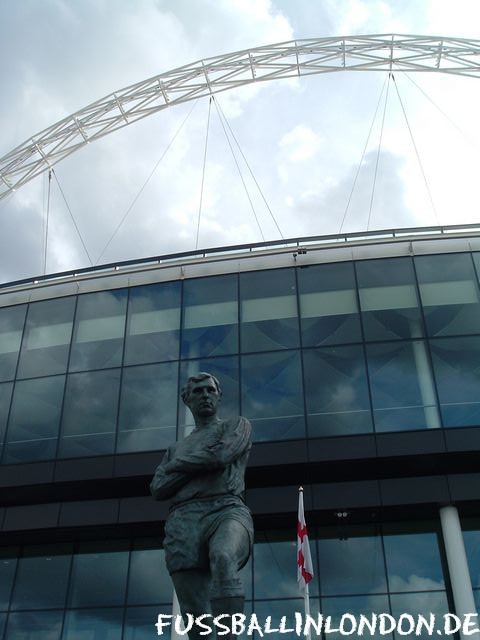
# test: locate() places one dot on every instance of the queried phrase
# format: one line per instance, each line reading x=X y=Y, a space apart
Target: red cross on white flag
x=304 y=558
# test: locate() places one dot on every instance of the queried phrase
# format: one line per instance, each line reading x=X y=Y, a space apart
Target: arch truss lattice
x=213 y=75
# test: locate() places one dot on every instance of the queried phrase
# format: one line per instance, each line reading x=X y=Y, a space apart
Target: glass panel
x=472 y=547
x=5 y=397
x=3 y=619
x=401 y=383
x=336 y=391
x=328 y=304
x=140 y=623
x=388 y=299
x=148 y=580
x=42 y=577
x=268 y=310
x=34 y=625
x=278 y=609
x=356 y=606
x=11 y=327
x=8 y=564
x=210 y=318
x=153 y=326
x=456 y=363
x=413 y=561
x=476 y=596
x=93 y=624
x=449 y=292
x=226 y=371
x=272 y=397
x=90 y=414
x=99 y=575
x=47 y=338
x=99 y=329
x=352 y=563
x=34 y=418
x=274 y=562
x=416 y=604
x=148 y=407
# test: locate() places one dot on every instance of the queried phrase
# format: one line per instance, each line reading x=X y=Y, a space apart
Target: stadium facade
x=357 y=360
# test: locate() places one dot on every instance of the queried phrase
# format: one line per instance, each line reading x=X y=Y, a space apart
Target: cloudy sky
x=303 y=139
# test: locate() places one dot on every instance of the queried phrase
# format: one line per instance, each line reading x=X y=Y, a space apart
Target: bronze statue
x=209 y=531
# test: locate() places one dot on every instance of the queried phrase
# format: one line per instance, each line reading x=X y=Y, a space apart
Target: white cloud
x=300 y=144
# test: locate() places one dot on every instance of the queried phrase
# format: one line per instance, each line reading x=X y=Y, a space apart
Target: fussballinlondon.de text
x=349 y=624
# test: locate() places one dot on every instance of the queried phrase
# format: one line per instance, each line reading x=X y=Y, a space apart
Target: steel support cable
x=251 y=172
x=164 y=153
x=72 y=216
x=203 y=171
x=238 y=168
x=47 y=215
x=363 y=155
x=378 y=152
x=416 y=152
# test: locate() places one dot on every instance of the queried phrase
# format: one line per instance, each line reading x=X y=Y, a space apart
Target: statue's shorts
x=190 y=526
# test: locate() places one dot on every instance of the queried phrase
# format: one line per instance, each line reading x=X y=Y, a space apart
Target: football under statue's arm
x=216 y=454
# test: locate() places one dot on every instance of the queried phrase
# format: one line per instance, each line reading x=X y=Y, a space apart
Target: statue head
x=201 y=394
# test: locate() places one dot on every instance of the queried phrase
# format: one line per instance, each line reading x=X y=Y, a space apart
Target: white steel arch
x=456 y=56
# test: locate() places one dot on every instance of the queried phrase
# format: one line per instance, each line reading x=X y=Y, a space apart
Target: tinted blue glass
x=336 y=391
x=99 y=575
x=99 y=329
x=8 y=564
x=351 y=564
x=401 y=383
x=476 y=595
x=42 y=577
x=153 y=325
x=275 y=553
x=34 y=419
x=47 y=338
x=472 y=548
x=456 y=364
x=328 y=304
x=449 y=293
x=34 y=625
x=148 y=416
x=272 y=395
x=388 y=299
x=210 y=317
x=90 y=413
x=11 y=327
x=417 y=604
x=268 y=310
x=148 y=579
x=413 y=561
x=140 y=622
x=5 y=397
x=226 y=371
x=3 y=619
x=93 y=623
x=278 y=609
x=356 y=606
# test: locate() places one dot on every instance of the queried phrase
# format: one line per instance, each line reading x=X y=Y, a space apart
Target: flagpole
x=306 y=595
x=306 y=602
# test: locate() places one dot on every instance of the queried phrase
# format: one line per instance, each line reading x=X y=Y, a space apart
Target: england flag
x=304 y=558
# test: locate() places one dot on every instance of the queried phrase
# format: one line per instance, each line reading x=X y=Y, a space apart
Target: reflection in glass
x=226 y=371
x=90 y=413
x=272 y=395
x=401 y=384
x=472 y=547
x=413 y=561
x=99 y=575
x=5 y=397
x=153 y=325
x=47 y=338
x=356 y=606
x=456 y=364
x=417 y=604
x=353 y=563
x=388 y=299
x=328 y=304
x=34 y=625
x=99 y=330
x=336 y=391
x=140 y=623
x=8 y=564
x=449 y=293
x=34 y=418
x=93 y=623
x=268 y=310
x=210 y=317
x=278 y=609
x=42 y=577
x=11 y=327
x=148 y=414
x=148 y=579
